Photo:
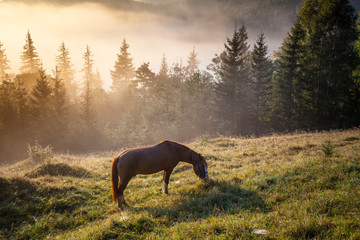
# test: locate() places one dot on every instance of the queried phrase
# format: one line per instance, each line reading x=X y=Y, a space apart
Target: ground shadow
x=22 y=200
x=209 y=199
x=59 y=169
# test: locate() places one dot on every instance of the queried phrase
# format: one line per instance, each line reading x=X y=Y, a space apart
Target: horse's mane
x=176 y=143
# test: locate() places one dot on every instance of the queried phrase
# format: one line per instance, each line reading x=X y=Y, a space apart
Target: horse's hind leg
x=166 y=178
x=122 y=186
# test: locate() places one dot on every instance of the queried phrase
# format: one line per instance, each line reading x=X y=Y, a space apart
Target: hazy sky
x=164 y=26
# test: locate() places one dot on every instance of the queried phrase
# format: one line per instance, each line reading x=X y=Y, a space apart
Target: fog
x=179 y=106
x=152 y=28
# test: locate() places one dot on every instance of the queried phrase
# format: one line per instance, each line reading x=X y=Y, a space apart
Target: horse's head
x=200 y=166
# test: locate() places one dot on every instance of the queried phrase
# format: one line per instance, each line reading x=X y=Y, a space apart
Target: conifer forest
x=310 y=83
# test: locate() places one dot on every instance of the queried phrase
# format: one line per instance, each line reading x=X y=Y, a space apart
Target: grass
x=274 y=187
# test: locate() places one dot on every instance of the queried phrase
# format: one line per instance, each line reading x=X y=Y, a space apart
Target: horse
x=163 y=156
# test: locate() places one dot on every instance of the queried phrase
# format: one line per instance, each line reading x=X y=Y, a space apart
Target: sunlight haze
x=99 y=27
x=172 y=31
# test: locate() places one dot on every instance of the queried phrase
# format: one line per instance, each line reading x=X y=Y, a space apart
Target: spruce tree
x=41 y=104
x=261 y=70
x=59 y=105
x=289 y=88
x=66 y=72
x=88 y=112
x=22 y=103
x=99 y=93
x=88 y=68
x=163 y=89
x=198 y=97
x=192 y=63
x=329 y=59
x=145 y=82
x=4 y=63
x=29 y=57
x=356 y=74
x=8 y=115
x=124 y=70
x=233 y=87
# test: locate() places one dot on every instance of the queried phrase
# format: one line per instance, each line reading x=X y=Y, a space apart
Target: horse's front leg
x=166 y=178
x=122 y=186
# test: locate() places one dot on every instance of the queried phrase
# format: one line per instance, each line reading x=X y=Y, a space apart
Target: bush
x=327 y=148
x=39 y=153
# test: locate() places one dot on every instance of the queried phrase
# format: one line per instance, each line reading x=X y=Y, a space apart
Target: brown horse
x=163 y=156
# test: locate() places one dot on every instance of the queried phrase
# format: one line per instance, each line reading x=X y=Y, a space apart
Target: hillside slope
x=275 y=187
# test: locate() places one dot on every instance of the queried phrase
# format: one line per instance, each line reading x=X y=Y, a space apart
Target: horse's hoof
x=123 y=207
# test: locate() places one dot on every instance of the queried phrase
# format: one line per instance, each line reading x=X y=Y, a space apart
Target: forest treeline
x=313 y=82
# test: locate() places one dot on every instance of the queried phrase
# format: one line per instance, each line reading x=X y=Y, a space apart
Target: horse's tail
x=114 y=180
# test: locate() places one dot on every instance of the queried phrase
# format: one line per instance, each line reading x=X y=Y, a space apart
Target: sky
x=151 y=28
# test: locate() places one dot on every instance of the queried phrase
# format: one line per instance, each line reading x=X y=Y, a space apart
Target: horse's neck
x=186 y=155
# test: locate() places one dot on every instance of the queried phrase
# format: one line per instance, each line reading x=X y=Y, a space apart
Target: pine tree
x=29 y=57
x=192 y=63
x=356 y=74
x=329 y=59
x=233 y=87
x=8 y=115
x=59 y=103
x=289 y=88
x=99 y=93
x=163 y=87
x=261 y=69
x=88 y=68
x=21 y=101
x=66 y=72
x=42 y=112
x=164 y=69
x=98 y=82
x=198 y=97
x=145 y=82
x=88 y=112
x=4 y=63
x=124 y=70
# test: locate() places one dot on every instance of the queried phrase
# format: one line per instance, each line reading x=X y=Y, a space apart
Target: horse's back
x=148 y=160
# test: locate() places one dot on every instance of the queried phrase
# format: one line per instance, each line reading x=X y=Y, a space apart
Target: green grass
x=287 y=185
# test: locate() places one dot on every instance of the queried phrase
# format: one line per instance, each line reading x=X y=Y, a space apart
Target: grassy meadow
x=296 y=186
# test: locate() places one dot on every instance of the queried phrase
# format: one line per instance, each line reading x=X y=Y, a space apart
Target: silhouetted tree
x=261 y=70
x=163 y=88
x=22 y=103
x=42 y=112
x=29 y=57
x=4 y=63
x=145 y=82
x=192 y=63
x=329 y=58
x=66 y=72
x=60 y=108
x=290 y=94
x=233 y=86
x=197 y=117
x=88 y=113
x=356 y=74
x=124 y=70
x=8 y=115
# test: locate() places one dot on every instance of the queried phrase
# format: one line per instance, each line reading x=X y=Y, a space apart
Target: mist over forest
x=145 y=71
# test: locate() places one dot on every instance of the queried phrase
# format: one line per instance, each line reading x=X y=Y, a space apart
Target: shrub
x=39 y=153
x=327 y=148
